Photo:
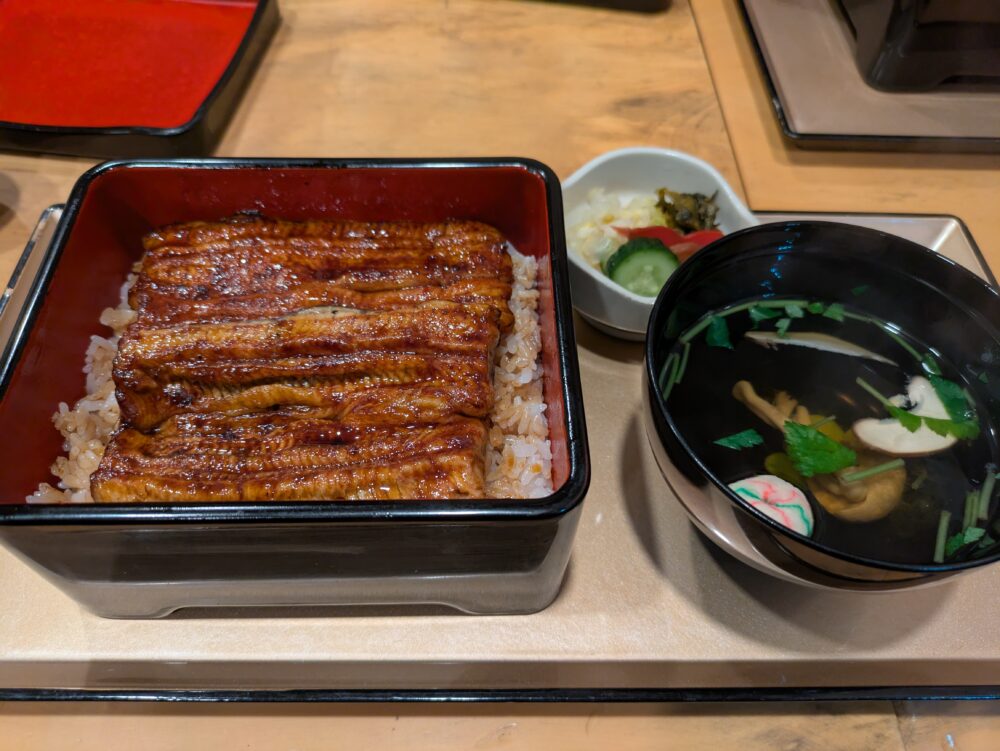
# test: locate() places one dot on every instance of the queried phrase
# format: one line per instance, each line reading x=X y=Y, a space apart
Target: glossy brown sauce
x=275 y=360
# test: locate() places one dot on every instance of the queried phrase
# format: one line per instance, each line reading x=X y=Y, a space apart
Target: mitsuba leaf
x=794 y=310
x=782 y=326
x=973 y=534
x=759 y=313
x=834 y=311
x=965 y=431
x=953 y=543
x=718 y=333
x=959 y=540
x=939 y=425
x=814 y=453
x=953 y=397
x=908 y=420
x=743 y=440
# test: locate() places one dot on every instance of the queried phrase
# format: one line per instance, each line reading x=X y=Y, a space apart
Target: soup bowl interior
x=922 y=294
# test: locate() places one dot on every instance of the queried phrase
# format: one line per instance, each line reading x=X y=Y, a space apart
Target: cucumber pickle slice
x=641 y=265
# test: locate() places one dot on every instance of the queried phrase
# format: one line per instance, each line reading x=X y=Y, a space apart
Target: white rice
x=518 y=462
x=519 y=459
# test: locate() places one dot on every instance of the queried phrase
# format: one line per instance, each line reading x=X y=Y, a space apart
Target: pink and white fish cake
x=780 y=500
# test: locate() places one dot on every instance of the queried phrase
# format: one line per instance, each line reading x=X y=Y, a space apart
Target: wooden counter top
x=560 y=83
x=777 y=176
x=354 y=78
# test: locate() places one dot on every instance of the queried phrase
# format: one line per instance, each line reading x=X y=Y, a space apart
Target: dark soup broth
x=838 y=426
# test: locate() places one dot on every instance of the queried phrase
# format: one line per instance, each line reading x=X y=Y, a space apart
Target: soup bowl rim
x=698 y=264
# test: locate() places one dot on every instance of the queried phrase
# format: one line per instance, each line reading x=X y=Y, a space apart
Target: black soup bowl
x=929 y=297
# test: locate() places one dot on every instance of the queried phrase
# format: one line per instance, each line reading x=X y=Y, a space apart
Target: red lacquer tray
x=126 y=77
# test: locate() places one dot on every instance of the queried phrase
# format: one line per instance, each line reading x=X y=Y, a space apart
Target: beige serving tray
x=647 y=603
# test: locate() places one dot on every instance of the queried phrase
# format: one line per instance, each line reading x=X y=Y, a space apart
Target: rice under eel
x=277 y=361
x=778 y=499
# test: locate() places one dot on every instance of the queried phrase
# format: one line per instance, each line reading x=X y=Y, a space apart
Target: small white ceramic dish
x=608 y=306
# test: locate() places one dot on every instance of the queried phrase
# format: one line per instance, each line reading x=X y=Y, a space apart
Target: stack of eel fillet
x=274 y=360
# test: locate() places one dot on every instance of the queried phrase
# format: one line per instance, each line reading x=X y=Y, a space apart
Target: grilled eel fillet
x=280 y=456
x=276 y=360
x=429 y=362
x=253 y=267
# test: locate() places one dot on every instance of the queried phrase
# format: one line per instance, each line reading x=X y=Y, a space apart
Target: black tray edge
x=517 y=696
x=859 y=141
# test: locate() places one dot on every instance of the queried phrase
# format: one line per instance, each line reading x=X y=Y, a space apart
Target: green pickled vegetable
x=688 y=212
x=641 y=265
